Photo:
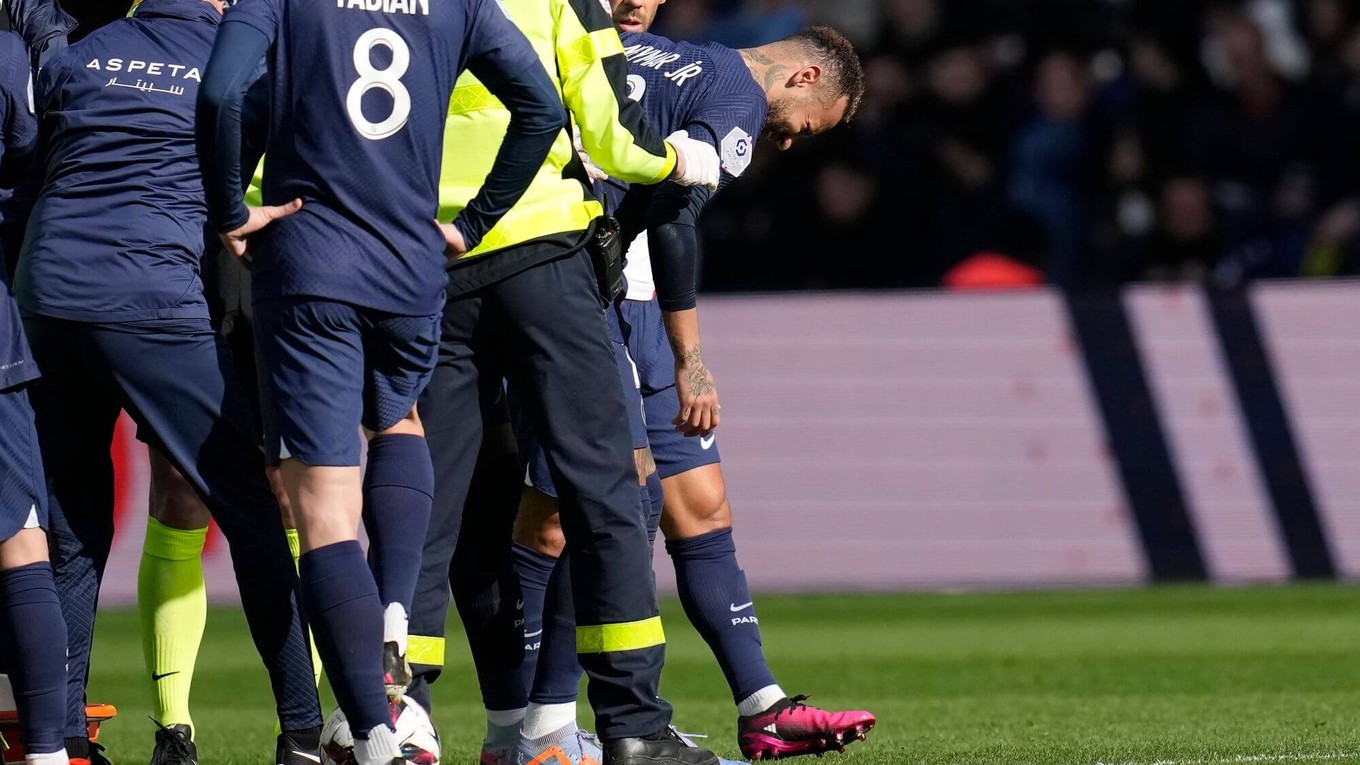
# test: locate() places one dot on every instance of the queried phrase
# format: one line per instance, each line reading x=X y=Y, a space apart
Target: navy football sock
x=34 y=644
x=653 y=500
x=346 y=619
x=486 y=588
x=557 y=679
x=713 y=592
x=496 y=637
x=535 y=570
x=398 y=491
x=80 y=550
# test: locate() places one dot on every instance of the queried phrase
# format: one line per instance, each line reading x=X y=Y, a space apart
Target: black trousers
x=543 y=330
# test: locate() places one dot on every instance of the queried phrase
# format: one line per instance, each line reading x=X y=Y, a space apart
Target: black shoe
x=299 y=747
x=664 y=748
x=396 y=672
x=174 y=746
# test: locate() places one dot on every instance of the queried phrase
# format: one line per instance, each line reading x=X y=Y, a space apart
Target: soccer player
x=108 y=284
x=32 y=631
x=348 y=276
x=807 y=83
x=526 y=306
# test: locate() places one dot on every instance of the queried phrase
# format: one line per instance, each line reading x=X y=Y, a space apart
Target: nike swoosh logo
x=706 y=442
x=533 y=634
x=735 y=608
x=160 y=677
x=311 y=757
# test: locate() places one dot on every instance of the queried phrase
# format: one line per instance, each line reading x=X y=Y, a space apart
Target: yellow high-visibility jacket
x=580 y=49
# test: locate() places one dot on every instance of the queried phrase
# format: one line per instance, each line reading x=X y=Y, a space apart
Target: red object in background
x=992 y=271
x=123 y=451
x=127 y=453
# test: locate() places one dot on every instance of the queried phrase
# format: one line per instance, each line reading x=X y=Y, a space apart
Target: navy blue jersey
x=18 y=134
x=360 y=97
x=708 y=91
x=117 y=230
x=705 y=89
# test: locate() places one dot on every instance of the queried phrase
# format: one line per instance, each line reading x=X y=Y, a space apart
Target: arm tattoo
x=697 y=380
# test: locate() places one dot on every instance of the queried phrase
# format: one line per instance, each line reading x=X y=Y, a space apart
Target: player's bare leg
x=341 y=598
x=697 y=522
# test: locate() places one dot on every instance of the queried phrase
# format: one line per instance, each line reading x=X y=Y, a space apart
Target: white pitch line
x=1245 y=759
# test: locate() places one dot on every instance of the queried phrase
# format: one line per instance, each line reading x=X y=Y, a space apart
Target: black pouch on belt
x=604 y=242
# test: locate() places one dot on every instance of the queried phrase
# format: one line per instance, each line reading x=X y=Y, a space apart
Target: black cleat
x=299 y=747
x=396 y=672
x=664 y=748
x=174 y=746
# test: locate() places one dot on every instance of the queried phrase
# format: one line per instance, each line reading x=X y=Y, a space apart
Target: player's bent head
x=823 y=87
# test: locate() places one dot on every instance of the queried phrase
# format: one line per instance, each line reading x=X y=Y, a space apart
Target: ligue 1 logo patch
x=736 y=152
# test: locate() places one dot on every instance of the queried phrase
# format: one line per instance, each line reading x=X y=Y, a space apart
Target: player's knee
x=538 y=526
x=410 y=425
x=326 y=502
x=173 y=500
x=281 y=496
x=695 y=505
x=27 y=547
x=645 y=464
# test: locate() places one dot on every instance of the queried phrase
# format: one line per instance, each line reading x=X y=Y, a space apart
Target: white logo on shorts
x=706 y=442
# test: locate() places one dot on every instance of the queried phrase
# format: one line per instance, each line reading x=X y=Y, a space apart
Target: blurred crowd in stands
x=1085 y=143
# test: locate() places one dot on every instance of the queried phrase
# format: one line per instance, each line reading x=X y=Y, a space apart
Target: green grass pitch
x=1173 y=676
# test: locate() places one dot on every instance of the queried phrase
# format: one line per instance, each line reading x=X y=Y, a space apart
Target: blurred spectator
x=1051 y=177
x=1252 y=137
x=1187 y=243
x=966 y=128
x=757 y=22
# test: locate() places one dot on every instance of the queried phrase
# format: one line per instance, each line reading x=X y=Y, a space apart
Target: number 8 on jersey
x=388 y=80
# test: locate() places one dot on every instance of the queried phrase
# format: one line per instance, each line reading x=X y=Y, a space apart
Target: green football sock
x=173 y=603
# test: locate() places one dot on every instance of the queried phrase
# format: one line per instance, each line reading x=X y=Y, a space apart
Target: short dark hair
x=839 y=62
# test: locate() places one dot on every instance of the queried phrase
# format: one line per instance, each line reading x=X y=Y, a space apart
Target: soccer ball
x=415 y=734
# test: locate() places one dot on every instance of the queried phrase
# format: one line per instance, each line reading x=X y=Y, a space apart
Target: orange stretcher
x=95 y=714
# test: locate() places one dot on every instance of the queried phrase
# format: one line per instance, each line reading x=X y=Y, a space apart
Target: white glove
x=592 y=170
x=700 y=160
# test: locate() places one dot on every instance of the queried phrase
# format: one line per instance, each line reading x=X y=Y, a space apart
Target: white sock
x=58 y=757
x=505 y=718
x=761 y=700
x=542 y=719
x=380 y=748
x=395 y=624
